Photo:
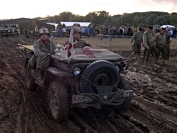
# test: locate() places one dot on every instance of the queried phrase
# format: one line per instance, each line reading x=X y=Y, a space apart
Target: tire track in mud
x=14 y=83
x=153 y=108
x=30 y=115
x=155 y=98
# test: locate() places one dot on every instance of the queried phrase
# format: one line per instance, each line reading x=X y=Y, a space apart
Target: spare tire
x=98 y=73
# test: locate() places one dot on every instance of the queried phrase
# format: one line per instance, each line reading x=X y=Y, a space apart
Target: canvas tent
x=168 y=26
x=156 y=26
x=54 y=24
x=82 y=24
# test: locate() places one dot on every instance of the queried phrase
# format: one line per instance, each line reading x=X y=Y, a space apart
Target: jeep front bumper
x=113 y=98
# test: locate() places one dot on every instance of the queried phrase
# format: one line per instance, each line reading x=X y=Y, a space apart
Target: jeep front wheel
x=58 y=101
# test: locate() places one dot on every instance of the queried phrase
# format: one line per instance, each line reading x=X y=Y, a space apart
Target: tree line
x=142 y=19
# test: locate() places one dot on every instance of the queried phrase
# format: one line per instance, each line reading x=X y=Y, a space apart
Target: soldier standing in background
x=159 y=39
x=136 y=41
x=36 y=30
x=168 y=40
x=148 y=43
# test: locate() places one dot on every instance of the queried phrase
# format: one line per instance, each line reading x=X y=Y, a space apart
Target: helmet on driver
x=43 y=30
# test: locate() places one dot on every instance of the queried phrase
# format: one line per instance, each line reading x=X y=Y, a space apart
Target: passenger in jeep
x=77 y=42
x=43 y=48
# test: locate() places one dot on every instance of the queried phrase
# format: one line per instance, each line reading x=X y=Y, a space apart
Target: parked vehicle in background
x=5 y=32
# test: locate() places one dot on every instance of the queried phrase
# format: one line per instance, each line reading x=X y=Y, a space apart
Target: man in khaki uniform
x=159 y=39
x=148 y=43
x=136 y=41
x=43 y=48
x=77 y=42
x=168 y=40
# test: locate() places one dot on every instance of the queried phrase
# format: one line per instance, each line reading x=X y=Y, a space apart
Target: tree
x=77 y=18
x=142 y=25
x=174 y=13
x=141 y=20
x=149 y=20
x=159 y=20
x=127 y=19
x=135 y=20
x=173 y=20
x=92 y=17
x=56 y=19
x=66 y=16
x=167 y=19
x=102 y=16
x=116 y=20
x=108 y=21
x=97 y=17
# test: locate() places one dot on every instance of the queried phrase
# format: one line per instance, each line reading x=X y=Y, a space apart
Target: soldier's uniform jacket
x=167 y=38
x=148 y=39
x=159 y=39
x=137 y=38
x=80 y=44
x=41 y=49
x=42 y=53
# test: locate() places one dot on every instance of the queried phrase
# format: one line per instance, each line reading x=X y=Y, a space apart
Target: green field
x=116 y=43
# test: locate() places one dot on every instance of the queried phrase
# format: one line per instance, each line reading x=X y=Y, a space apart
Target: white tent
x=54 y=24
x=82 y=24
x=168 y=26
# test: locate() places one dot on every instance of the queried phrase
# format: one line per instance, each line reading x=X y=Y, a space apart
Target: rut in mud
x=153 y=108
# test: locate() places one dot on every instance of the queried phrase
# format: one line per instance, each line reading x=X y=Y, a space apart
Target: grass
x=116 y=43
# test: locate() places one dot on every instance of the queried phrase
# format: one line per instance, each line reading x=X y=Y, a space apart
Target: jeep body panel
x=88 y=54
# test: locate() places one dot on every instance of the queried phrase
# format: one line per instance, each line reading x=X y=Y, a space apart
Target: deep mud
x=152 y=110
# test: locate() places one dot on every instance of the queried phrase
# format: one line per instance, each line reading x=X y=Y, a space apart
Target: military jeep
x=91 y=78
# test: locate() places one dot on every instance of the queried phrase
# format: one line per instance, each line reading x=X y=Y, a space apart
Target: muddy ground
x=152 y=110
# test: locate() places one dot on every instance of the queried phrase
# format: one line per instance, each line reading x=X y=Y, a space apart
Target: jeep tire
x=58 y=101
x=98 y=73
x=30 y=81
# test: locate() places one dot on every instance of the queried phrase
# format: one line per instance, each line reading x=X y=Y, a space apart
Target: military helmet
x=43 y=30
x=75 y=30
x=150 y=27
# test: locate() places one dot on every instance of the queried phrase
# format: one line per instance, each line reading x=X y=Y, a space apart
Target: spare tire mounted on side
x=98 y=73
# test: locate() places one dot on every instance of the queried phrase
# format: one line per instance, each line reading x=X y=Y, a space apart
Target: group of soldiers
x=155 y=46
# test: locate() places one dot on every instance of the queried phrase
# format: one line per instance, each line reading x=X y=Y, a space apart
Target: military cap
x=141 y=29
x=150 y=27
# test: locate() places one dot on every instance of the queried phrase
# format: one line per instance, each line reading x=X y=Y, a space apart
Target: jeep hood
x=88 y=54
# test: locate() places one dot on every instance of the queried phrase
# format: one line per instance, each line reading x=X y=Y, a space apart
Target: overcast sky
x=41 y=8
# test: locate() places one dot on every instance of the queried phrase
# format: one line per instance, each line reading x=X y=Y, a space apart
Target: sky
x=11 y=9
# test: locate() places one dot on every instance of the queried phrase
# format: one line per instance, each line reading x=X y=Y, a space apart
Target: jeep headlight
x=125 y=65
x=118 y=68
x=77 y=71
